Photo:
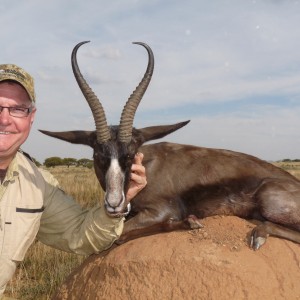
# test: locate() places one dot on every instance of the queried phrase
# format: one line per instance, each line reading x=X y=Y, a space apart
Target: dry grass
x=44 y=268
x=291 y=167
x=79 y=182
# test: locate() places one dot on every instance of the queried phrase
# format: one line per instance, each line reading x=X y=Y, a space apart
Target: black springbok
x=185 y=183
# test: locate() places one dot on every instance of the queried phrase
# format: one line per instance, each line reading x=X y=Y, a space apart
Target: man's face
x=13 y=130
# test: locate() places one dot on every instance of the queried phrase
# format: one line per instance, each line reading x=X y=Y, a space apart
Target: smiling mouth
x=6 y=132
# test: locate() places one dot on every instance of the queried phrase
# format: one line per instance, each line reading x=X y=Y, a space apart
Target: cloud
x=230 y=66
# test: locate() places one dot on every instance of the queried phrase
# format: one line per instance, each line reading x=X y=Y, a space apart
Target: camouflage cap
x=15 y=73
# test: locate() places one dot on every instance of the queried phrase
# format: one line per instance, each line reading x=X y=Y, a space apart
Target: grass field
x=44 y=268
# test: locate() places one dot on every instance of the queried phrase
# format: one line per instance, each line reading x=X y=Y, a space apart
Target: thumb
x=138 y=158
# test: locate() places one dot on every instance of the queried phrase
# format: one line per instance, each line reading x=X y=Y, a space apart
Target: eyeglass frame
x=26 y=110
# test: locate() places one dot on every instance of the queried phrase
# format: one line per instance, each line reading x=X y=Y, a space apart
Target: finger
x=138 y=180
x=138 y=169
x=138 y=158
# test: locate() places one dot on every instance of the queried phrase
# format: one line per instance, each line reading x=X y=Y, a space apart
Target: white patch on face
x=114 y=197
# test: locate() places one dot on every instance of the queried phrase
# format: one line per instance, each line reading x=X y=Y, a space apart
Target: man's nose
x=4 y=115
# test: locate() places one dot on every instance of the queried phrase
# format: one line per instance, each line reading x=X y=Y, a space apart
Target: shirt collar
x=13 y=169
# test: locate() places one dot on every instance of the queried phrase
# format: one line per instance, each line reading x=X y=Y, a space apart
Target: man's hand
x=138 y=177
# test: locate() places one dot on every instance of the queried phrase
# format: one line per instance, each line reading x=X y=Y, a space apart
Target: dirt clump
x=214 y=262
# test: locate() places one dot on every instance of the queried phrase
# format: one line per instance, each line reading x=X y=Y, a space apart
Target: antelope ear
x=157 y=132
x=74 y=137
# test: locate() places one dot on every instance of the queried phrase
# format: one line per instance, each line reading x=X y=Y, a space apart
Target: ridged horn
x=127 y=117
x=102 y=129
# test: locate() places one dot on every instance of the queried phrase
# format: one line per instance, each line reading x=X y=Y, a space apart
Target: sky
x=231 y=67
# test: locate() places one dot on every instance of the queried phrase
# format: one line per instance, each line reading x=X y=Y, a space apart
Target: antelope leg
x=261 y=232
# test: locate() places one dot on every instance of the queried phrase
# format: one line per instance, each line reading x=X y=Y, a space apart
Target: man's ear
x=32 y=116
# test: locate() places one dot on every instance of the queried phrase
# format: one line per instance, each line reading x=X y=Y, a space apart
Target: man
x=31 y=204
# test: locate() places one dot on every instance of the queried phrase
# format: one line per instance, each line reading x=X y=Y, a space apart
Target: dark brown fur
x=187 y=183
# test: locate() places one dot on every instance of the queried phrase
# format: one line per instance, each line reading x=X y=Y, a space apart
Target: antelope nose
x=113 y=201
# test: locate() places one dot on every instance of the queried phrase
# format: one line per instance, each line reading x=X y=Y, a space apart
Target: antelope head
x=114 y=147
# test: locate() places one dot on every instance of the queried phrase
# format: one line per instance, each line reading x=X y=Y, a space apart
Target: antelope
x=186 y=183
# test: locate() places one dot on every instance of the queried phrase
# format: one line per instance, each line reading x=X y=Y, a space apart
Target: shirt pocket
x=25 y=225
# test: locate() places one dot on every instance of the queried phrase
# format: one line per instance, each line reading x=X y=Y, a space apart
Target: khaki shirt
x=32 y=205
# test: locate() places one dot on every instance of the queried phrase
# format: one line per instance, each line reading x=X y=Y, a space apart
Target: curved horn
x=126 y=122
x=102 y=130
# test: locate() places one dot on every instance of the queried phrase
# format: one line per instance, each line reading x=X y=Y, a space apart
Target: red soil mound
x=210 y=263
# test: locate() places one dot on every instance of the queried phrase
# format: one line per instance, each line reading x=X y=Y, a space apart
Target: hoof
x=257 y=239
x=194 y=222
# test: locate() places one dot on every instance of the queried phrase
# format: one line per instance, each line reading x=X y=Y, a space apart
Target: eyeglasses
x=17 y=111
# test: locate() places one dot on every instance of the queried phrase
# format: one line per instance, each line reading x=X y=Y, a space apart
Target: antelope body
x=185 y=183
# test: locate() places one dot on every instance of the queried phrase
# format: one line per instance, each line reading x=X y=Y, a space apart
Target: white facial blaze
x=114 y=187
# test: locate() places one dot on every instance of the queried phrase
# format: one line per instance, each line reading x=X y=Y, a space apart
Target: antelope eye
x=130 y=156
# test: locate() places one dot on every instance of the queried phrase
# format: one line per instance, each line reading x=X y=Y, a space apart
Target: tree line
x=58 y=161
x=88 y=163
x=290 y=160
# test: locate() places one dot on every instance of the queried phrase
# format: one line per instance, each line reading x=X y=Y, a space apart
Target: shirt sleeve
x=68 y=227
